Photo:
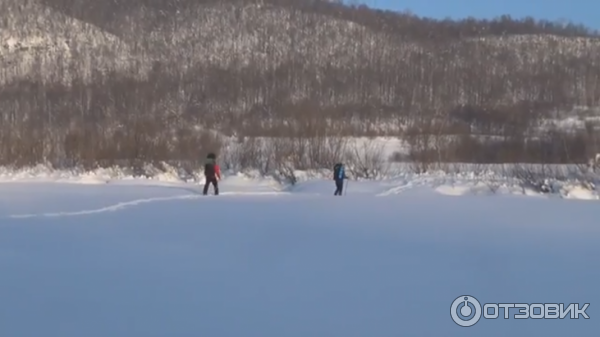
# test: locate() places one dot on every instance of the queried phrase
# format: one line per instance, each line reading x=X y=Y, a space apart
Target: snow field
x=132 y=259
x=108 y=253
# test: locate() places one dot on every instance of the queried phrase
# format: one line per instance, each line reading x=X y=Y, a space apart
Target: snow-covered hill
x=100 y=82
x=264 y=37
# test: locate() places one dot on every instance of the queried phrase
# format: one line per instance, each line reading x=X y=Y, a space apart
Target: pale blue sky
x=586 y=12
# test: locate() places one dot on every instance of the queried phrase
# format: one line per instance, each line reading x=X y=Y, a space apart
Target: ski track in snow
x=112 y=208
x=396 y=190
x=132 y=203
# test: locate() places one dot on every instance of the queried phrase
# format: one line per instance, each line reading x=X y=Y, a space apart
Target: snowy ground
x=130 y=258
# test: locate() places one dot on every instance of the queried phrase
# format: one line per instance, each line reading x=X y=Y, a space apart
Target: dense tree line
x=107 y=82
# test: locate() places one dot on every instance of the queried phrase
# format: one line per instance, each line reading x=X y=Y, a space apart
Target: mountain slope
x=123 y=76
x=313 y=48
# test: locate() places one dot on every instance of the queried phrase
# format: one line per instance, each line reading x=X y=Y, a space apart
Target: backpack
x=336 y=171
x=209 y=168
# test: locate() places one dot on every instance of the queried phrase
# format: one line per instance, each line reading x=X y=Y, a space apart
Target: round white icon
x=466 y=305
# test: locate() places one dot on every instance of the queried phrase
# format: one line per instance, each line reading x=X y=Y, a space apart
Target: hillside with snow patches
x=87 y=85
x=40 y=43
x=73 y=36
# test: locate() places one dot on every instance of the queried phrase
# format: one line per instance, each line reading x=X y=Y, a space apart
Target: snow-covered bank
x=455 y=180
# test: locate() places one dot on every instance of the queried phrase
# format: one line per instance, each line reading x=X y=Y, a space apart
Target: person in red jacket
x=212 y=174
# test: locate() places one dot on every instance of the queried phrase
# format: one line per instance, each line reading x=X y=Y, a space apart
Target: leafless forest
x=93 y=83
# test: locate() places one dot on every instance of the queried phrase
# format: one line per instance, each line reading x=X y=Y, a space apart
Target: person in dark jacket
x=212 y=174
x=339 y=174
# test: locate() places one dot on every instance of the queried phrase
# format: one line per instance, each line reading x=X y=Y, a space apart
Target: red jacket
x=217 y=172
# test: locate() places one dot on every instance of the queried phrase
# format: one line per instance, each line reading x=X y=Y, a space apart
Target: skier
x=339 y=174
x=212 y=173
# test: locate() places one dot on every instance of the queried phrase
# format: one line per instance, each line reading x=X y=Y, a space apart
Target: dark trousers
x=213 y=181
x=339 y=186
